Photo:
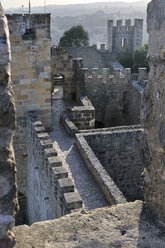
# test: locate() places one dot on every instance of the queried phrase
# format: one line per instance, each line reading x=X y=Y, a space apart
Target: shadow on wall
x=149 y=218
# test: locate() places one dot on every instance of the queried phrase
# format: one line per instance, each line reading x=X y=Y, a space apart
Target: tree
x=136 y=59
x=140 y=58
x=126 y=59
x=75 y=36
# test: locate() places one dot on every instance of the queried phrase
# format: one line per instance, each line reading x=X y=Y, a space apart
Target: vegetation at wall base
x=136 y=59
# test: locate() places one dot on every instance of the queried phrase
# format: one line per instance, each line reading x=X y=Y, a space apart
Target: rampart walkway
x=70 y=156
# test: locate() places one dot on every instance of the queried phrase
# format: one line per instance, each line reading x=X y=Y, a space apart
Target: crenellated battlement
x=115 y=96
x=124 y=35
x=106 y=77
x=54 y=191
x=125 y=23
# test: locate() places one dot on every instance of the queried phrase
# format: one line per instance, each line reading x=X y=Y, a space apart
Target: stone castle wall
x=153 y=112
x=83 y=115
x=116 y=98
x=119 y=153
x=113 y=157
x=62 y=63
x=123 y=37
x=91 y=56
x=31 y=64
x=50 y=192
x=31 y=76
x=8 y=196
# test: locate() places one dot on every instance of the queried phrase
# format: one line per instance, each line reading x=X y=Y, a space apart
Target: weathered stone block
x=65 y=185
x=54 y=162
x=72 y=201
x=50 y=152
x=39 y=130
x=59 y=173
x=46 y=144
x=43 y=136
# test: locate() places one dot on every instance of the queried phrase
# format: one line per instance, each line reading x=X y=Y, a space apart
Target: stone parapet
x=108 y=77
x=49 y=187
x=83 y=116
x=116 y=100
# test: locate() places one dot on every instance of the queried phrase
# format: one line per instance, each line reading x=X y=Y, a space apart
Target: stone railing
x=51 y=192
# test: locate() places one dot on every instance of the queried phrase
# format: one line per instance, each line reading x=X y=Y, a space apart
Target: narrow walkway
x=70 y=156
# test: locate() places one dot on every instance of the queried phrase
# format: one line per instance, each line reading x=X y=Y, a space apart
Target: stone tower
x=122 y=37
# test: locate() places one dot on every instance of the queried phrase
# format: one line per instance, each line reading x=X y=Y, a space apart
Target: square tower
x=122 y=37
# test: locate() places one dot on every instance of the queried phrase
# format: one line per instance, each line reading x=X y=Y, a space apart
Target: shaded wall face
x=8 y=200
x=92 y=58
x=119 y=153
x=62 y=63
x=154 y=111
x=115 y=99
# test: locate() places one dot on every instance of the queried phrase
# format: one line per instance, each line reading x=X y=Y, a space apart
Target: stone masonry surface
x=153 y=112
x=119 y=153
x=65 y=146
x=50 y=192
x=62 y=63
x=31 y=76
x=8 y=196
x=130 y=225
x=122 y=37
x=116 y=98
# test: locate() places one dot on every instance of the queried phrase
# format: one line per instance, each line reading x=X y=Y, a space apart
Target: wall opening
x=123 y=42
x=58 y=79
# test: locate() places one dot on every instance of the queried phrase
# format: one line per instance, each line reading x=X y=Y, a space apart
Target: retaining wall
x=114 y=158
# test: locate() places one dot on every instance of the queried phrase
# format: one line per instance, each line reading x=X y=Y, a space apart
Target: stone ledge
x=50 y=152
x=46 y=143
x=54 y=162
x=59 y=172
x=125 y=225
x=72 y=201
x=65 y=185
x=43 y=136
x=39 y=129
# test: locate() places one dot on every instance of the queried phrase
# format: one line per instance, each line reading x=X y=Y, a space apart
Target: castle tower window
x=123 y=42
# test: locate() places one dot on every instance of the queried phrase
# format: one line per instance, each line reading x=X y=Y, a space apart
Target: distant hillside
x=92 y=16
x=69 y=10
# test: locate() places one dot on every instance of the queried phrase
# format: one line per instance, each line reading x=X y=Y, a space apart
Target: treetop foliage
x=136 y=59
x=75 y=36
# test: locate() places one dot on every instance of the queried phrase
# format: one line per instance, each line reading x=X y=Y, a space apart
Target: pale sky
x=18 y=3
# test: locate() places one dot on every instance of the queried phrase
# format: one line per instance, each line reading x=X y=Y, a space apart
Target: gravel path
x=70 y=156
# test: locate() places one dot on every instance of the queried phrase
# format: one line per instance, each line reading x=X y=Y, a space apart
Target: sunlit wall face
x=18 y=3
